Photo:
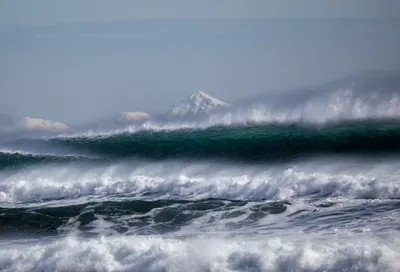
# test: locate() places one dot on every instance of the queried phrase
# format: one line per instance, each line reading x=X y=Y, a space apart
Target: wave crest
x=178 y=180
x=309 y=108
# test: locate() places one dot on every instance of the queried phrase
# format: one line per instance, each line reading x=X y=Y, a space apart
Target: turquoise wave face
x=13 y=160
x=247 y=144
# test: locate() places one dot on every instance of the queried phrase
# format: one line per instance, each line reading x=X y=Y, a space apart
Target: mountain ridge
x=197 y=103
x=37 y=124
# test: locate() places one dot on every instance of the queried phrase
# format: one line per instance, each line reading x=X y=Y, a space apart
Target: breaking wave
x=194 y=181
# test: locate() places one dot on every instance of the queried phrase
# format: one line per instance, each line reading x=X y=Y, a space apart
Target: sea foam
x=138 y=253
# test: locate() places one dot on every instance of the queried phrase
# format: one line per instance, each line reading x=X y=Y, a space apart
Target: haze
x=76 y=61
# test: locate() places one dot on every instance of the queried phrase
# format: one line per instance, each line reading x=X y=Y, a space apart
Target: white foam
x=136 y=253
x=178 y=179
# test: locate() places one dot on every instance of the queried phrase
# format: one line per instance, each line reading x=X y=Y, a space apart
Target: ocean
x=313 y=186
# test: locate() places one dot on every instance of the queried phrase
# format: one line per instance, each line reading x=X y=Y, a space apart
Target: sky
x=49 y=11
x=75 y=61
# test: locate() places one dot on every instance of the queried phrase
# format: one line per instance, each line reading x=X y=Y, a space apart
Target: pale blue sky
x=101 y=60
x=52 y=11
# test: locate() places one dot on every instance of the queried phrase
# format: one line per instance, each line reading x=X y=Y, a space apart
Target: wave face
x=302 y=183
x=249 y=143
x=15 y=159
x=246 y=143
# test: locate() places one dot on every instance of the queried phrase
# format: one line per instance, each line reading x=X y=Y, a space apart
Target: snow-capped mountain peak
x=36 y=124
x=131 y=116
x=196 y=104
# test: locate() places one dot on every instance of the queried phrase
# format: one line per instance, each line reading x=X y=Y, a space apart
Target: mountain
x=133 y=116
x=197 y=103
x=36 y=124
